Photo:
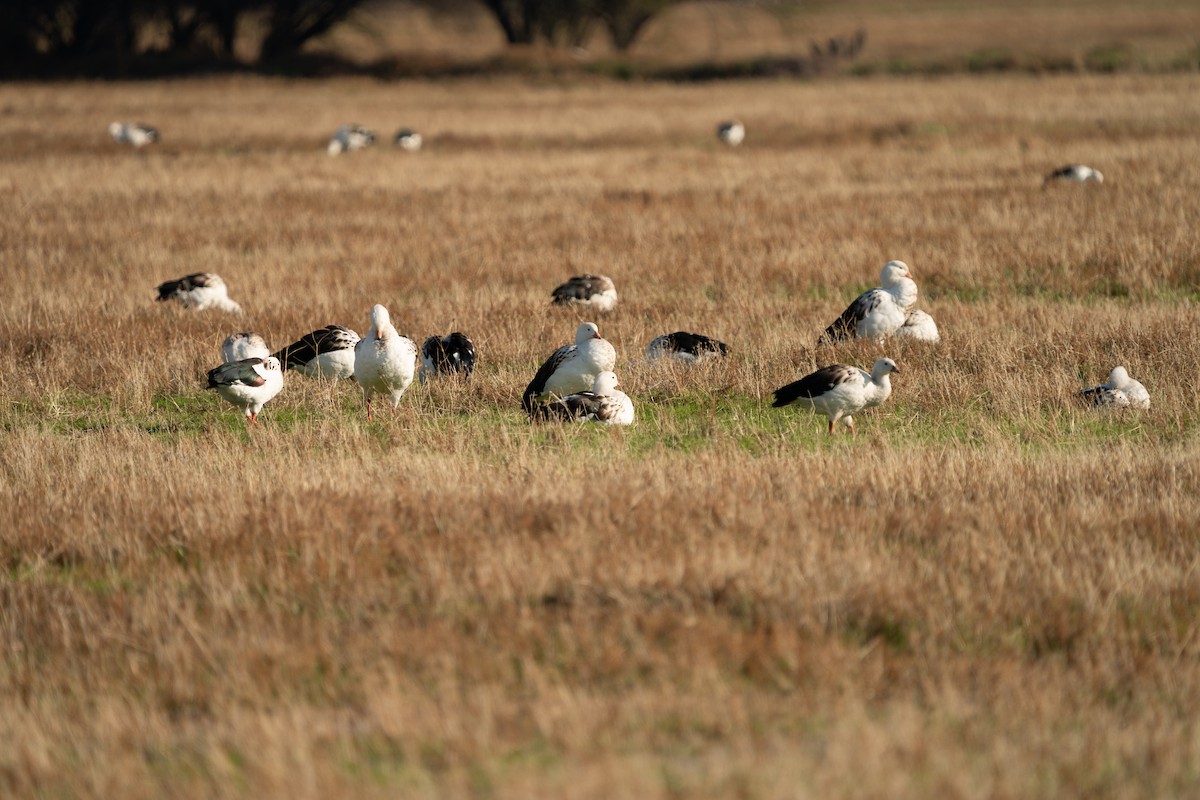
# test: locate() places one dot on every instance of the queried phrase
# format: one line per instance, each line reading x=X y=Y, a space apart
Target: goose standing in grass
x=447 y=355
x=350 y=137
x=133 y=133
x=572 y=367
x=920 y=326
x=876 y=313
x=384 y=361
x=325 y=353
x=1121 y=391
x=731 y=132
x=839 y=391
x=408 y=140
x=240 y=346
x=248 y=384
x=687 y=348
x=605 y=404
x=596 y=292
x=1074 y=173
x=198 y=291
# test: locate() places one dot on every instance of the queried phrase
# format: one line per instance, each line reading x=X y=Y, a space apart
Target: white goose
x=876 y=313
x=1121 y=391
x=384 y=361
x=731 y=132
x=597 y=292
x=350 y=137
x=1074 y=173
x=920 y=326
x=605 y=404
x=240 y=346
x=408 y=140
x=198 y=291
x=133 y=133
x=572 y=367
x=324 y=353
x=248 y=384
x=839 y=391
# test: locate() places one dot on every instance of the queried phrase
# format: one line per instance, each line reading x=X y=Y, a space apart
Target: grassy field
x=988 y=593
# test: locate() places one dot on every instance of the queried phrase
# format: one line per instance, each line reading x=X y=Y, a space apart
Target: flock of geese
x=578 y=380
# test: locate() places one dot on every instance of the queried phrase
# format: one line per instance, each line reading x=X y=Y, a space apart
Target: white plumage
x=350 y=137
x=876 y=313
x=248 y=384
x=731 y=132
x=198 y=291
x=324 y=353
x=1075 y=173
x=240 y=346
x=840 y=391
x=133 y=133
x=384 y=361
x=920 y=326
x=596 y=292
x=605 y=403
x=572 y=367
x=1121 y=391
x=409 y=140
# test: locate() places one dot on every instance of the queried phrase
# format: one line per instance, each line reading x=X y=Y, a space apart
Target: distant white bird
x=920 y=326
x=731 y=132
x=325 y=353
x=687 y=348
x=604 y=404
x=133 y=133
x=596 y=292
x=198 y=291
x=839 y=391
x=447 y=355
x=248 y=384
x=240 y=346
x=384 y=361
x=350 y=137
x=876 y=313
x=408 y=140
x=1076 y=173
x=572 y=367
x=1121 y=391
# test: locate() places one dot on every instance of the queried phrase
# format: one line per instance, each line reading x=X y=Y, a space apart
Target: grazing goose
x=198 y=291
x=408 y=140
x=839 y=391
x=240 y=346
x=572 y=367
x=687 y=348
x=731 y=132
x=604 y=404
x=1074 y=173
x=876 y=313
x=447 y=355
x=1121 y=391
x=324 y=353
x=248 y=384
x=350 y=137
x=136 y=133
x=596 y=292
x=920 y=326
x=384 y=361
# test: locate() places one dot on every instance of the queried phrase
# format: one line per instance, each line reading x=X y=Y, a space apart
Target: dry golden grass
x=990 y=592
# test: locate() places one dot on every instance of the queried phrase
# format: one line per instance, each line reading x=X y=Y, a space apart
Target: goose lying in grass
x=1074 y=173
x=198 y=291
x=1121 y=391
x=605 y=404
x=240 y=346
x=687 y=348
x=879 y=312
x=596 y=292
x=137 y=134
x=453 y=354
x=350 y=137
x=572 y=367
x=731 y=132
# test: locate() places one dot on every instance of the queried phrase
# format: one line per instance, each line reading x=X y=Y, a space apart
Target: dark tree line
x=65 y=30
x=570 y=21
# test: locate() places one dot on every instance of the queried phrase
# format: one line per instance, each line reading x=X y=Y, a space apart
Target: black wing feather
x=187 y=283
x=580 y=406
x=578 y=289
x=537 y=386
x=236 y=372
x=814 y=385
x=1098 y=396
x=450 y=354
x=311 y=345
x=846 y=326
x=696 y=344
